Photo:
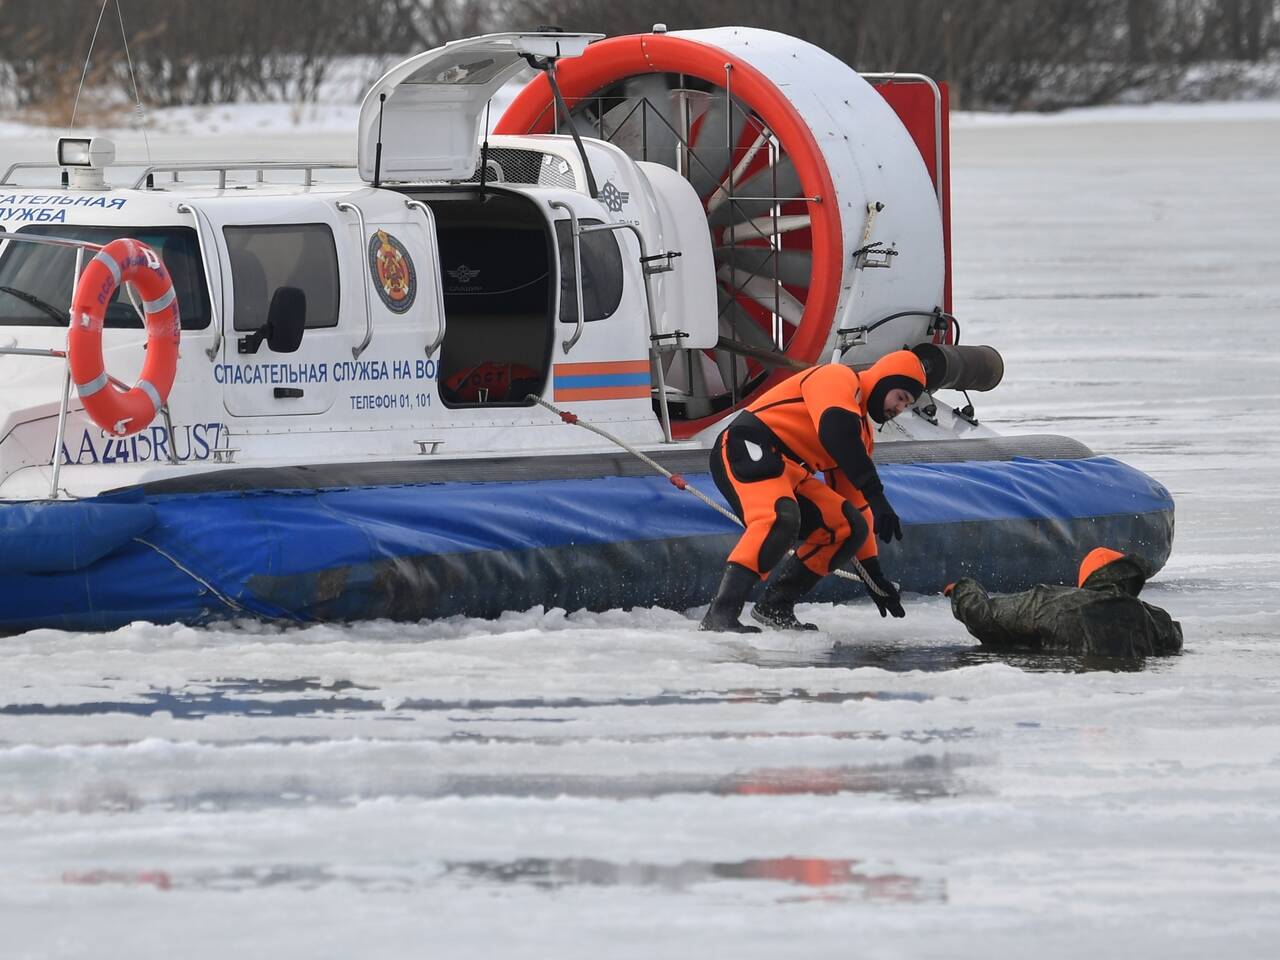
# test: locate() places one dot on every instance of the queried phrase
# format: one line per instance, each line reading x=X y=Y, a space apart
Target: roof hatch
x=430 y=120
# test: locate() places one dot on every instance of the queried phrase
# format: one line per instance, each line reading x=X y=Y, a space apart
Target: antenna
x=137 y=98
x=484 y=150
x=377 y=150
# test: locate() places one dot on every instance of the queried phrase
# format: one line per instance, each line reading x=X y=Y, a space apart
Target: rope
x=680 y=483
x=194 y=576
x=677 y=481
x=211 y=588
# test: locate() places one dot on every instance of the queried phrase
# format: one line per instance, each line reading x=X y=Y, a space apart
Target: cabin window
x=265 y=257
x=601 y=272
x=44 y=273
x=495 y=265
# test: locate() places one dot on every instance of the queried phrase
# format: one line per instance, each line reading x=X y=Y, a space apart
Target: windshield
x=44 y=272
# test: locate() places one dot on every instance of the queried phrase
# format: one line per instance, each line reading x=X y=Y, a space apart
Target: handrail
x=893 y=77
x=61 y=433
x=212 y=352
x=48 y=241
x=576 y=231
x=434 y=345
x=27 y=165
x=260 y=167
x=655 y=357
x=368 y=304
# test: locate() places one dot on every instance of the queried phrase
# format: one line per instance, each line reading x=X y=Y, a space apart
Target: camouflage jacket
x=1104 y=617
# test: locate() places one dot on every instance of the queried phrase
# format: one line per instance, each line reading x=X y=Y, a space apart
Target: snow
x=621 y=785
x=1128 y=114
x=339 y=118
x=328 y=115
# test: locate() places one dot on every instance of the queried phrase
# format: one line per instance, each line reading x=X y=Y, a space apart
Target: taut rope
x=680 y=483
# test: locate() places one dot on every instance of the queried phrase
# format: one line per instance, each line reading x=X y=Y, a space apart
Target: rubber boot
x=727 y=606
x=787 y=584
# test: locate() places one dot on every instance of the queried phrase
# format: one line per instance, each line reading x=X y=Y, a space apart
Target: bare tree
x=1001 y=53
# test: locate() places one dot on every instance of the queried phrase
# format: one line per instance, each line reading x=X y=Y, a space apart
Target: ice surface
x=619 y=785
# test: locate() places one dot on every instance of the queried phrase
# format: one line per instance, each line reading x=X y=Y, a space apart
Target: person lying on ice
x=1102 y=616
x=819 y=420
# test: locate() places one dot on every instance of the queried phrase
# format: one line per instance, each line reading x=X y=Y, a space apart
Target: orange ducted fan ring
x=751 y=158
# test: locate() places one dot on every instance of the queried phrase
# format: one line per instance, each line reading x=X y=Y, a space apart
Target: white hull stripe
x=146 y=387
x=155 y=306
x=93 y=386
x=109 y=262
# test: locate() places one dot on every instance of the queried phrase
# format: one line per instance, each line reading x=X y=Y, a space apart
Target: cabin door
x=292 y=253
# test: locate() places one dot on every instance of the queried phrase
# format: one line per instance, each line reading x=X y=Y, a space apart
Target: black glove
x=883 y=593
x=887 y=526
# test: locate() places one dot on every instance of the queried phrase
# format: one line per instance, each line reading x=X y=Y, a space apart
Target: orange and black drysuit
x=765 y=461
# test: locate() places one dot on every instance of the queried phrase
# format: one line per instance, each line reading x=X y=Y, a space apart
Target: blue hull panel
x=444 y=549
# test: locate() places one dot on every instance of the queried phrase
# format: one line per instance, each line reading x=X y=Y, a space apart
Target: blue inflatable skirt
x=426 y=550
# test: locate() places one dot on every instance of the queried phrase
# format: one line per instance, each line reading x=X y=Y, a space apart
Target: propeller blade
x=694 y=374
x=721 y=194
x=769 y=358
x=731 y=366
x=765 y=227
x=707 y=380
x=697 y=102
x=711 y=144
x=643 y=124
x=675 y=372
x=770 y=181
x=762 y=290
x=794 y=267
x=738 y=325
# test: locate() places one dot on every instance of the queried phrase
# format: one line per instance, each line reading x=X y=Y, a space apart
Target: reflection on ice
x=800 y=871
x=159 y=879
x=920 y=777
x=905 y=657
x=256 y=699
x=853 y=879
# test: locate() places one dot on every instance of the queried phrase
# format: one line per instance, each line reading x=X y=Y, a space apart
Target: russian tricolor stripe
x=615 y=380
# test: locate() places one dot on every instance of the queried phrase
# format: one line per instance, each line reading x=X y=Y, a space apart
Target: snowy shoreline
x=330 y=118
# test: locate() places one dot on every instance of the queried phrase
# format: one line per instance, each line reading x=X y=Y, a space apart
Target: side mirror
x=286 y=319
x=286 y=322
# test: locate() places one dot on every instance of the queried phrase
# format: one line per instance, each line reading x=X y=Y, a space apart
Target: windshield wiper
x=60 y=315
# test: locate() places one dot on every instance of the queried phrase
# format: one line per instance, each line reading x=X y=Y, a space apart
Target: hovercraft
x=350 y=377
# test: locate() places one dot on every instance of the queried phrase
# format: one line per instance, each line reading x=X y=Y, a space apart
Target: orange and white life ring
x=116 y=410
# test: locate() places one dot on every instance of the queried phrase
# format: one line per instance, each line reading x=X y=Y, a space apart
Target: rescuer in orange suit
x=820 y=420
